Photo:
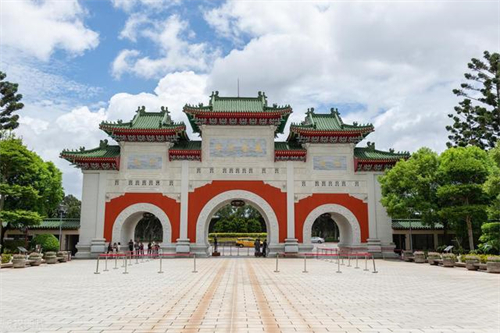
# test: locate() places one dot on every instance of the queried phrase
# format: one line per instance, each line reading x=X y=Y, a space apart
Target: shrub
x=11 y=245
x=466 y=257
x=490 y=238
x=434 y=255
x=48 y=242
x=449 y=256
x=6 y=258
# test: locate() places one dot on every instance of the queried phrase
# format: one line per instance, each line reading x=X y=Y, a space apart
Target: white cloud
x=171 y=37
x=400 y=59
x=38 y=28
x=129 y=5
x=132 y=26
x=48 y=129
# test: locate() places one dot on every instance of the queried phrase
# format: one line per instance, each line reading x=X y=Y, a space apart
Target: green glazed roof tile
x=187 y=145
x=404 y=224
x=370 y=153
x=329 y=122
x=287 y=146
x=104 y=150
x=53 y=223
x=145 y=120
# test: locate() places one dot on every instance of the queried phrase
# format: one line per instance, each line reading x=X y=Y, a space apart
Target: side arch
x=223 y=199
x=128 y=218
x=350 y=234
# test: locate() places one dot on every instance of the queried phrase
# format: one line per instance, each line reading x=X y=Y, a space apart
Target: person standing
x=110 y=248
x=215 y=243
x=256 y=245
x=131 y=246
x=118 y=247
x=264 y=248
x=149 y=248
x=115 y=247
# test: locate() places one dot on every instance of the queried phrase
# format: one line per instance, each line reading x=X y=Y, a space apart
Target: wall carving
x=144 y=162
x=337 y=163
x=237 y=147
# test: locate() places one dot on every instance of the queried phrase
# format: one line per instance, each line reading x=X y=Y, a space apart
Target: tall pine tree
x=9 y=103
x=477 y=117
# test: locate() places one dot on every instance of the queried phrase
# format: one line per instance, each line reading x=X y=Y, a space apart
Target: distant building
x=155 y=168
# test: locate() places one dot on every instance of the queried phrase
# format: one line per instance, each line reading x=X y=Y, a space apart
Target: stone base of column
x=83 y=251
x=291 y=245
x=374 y=245
x=167 y=247
x=182 y=246
x=98 y=246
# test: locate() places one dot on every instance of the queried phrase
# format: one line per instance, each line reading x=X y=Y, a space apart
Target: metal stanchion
x=116 y=261
x=338 y=264
x=248 y=252
x=366 y=263
x=106 y=263
x=97 y=267
x=230 y=250
x=125 y=258
x=356 y=261
x=238 y=251
x=223 y=247
x=305 y=264
x=277 y=269
x=194 y=257
x=142 y=257
x=130 y=262
x=374 y=269
x=160 y=271
x=348 y=260
x=136 y=258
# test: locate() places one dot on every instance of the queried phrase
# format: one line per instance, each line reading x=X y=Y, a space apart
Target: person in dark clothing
x=256 y=245
x=131 y=245
x=264 y=248
x=149 y=248
x=215 y=243
x=110 y=248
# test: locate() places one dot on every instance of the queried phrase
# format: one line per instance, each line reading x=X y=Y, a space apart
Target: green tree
x=238 y=219
x=492 y=185
x=73 y=206
x=48 y=242
x=29 y=187
x=409 y=189
x=9 y=103
x=476 y=120
x=462 y=199
x=490 y=238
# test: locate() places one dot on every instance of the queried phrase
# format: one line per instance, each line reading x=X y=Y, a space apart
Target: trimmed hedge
x=48 y=242
x=237 y=234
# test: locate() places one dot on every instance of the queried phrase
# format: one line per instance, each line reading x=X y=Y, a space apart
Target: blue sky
x=393 y=64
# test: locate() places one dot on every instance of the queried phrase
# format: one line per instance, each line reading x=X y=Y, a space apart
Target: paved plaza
x=245 y=295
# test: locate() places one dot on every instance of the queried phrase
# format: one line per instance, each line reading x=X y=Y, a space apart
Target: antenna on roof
x=238 y=86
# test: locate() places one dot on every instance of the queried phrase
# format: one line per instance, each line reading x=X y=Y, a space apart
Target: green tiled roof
x=104 y=150
x=187 y=145
x=329 y=122
x=370 y=153
x=287 y=146
x=145 y=120
x=53 y=223
x=404 y=224
x=238 y=104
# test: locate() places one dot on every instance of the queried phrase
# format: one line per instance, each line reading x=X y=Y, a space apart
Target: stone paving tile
x=245 y=295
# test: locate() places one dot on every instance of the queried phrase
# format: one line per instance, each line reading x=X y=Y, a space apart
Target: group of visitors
x=260 y=248
x=137 y=248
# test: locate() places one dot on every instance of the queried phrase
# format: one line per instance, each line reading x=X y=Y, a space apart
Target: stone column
x=183 y=245
x=291 y=243
x=374 y=244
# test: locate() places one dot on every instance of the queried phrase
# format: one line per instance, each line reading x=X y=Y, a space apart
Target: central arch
x=349 y=230
x=126 y=221
x=225 y=198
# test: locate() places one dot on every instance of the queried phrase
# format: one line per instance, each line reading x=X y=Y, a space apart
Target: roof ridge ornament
x=370 y=145
x=103 y=144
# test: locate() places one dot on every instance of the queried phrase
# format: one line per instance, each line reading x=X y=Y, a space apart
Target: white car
x=317 y=240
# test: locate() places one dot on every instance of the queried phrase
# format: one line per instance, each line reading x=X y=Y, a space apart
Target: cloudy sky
x=392 y=63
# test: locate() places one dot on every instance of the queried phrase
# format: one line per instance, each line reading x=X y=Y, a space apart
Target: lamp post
x=62 y=211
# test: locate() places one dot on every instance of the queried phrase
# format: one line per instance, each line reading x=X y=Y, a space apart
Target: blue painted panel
x=144 y=162
x=330 y=163
x=240 y=147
